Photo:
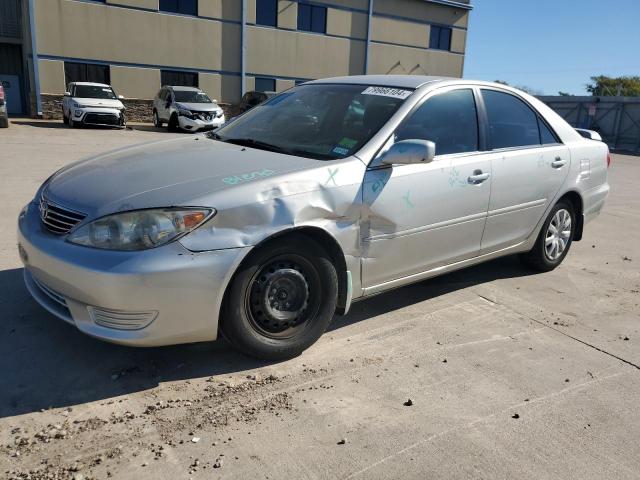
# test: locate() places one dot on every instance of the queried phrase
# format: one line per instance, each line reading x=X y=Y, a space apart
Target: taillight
x=1 y=93
x=608 y=159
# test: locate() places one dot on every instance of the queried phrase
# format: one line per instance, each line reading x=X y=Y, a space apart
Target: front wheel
x=281 y=300
x=554 y=240
x=172 y=124
x=156 y=120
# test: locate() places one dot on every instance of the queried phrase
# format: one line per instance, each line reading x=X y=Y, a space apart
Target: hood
x=99 y=102
x=199 y=107
x=174 y=172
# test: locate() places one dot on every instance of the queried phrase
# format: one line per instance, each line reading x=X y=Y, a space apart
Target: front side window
x=449 y=119
x=185 y=7
x=191 y=96
x=316 y=121
x=94 y=91
x=440 y=38
x=86 y=72
x=512 y=123
x=312 y=18
x=267 y=13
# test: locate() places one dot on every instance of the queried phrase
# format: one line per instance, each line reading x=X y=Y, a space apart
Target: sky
x=552 y=45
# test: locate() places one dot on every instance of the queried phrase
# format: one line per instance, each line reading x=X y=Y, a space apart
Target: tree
x=628 y=86
x=564 y=94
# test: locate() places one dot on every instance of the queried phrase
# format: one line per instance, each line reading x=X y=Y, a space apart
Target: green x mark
x=406 y=199
x=332 y=173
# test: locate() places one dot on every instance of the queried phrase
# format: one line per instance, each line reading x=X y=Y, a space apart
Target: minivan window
x=94 y=91
x=450 y=120
x=191 y=96
x=512 y=123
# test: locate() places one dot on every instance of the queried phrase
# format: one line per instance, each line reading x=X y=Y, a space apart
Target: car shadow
x=48 y=364
x=40 y=123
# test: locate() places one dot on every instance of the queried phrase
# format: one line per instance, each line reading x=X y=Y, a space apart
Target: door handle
x=478 y=177
x=558 y=162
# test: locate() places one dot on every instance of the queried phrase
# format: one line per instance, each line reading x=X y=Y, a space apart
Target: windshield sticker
x=247 y=177
x=347 y=143
x=387 y=92
x=340 y=151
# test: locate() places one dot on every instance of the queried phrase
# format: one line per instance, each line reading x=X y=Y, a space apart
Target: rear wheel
x=554 y=240
x=281 y=300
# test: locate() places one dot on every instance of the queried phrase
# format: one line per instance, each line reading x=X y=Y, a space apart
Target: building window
x=181 y=79
x=265 y=84
x=267 y=13
x=86 y=72
x=186 y=7
x=440 y=38
x=312 y=18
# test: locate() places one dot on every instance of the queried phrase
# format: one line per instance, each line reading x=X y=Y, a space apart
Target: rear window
x=512 y=123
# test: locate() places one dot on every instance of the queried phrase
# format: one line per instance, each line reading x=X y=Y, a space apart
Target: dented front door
x=419 y=217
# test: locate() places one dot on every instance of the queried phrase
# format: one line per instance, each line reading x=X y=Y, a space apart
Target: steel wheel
x=558 y=234
x=283 y=296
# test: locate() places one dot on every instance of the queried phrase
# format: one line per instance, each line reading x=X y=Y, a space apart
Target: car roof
x=182 y=89
x=91 y=84
x=400 y=81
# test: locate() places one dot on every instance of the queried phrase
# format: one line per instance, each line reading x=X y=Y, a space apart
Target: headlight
x=141 y=229
x=184 y=112
x=78 y=105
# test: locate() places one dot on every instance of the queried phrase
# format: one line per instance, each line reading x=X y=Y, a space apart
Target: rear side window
x=546 y=135
x=450 y=120
x=512 y=123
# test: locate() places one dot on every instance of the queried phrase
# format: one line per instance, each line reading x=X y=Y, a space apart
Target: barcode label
x=387 y=92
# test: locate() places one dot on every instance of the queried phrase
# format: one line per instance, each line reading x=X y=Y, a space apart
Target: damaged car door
x=424 y=215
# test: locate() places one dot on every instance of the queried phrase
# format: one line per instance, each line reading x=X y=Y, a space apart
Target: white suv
x=92 y=104
x=186 y=108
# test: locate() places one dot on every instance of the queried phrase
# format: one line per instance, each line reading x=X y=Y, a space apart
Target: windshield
x=322 y=121
x=94 y=91
x=191 y=96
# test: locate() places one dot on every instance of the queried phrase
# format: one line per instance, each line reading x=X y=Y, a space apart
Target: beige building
x=227 y=47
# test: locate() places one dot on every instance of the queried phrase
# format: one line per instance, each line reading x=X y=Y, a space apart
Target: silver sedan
x=328 y=193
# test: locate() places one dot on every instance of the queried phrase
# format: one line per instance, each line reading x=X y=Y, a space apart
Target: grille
x=57 y=219
x=102 y=119
x=121 y=320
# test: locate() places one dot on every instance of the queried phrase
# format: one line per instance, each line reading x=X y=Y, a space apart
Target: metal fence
x=617 y=119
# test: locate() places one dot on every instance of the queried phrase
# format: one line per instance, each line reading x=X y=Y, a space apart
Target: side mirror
x=67 y=94
x=410 y=151
x=120 y=97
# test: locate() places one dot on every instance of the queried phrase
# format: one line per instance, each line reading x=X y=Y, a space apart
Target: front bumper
x=111 y=117
x=193 y=125
x=181 y=291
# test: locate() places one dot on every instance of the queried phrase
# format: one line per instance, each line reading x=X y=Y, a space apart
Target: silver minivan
x=186 y=108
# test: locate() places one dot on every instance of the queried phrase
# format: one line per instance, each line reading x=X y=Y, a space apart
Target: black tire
x=156 y=120
x=65 y=120
x=295 y=270
x=172 y=125
x=71 y=123
x=4 y=122
x=538 y=257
